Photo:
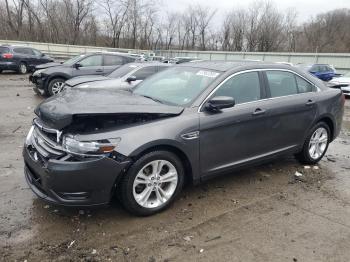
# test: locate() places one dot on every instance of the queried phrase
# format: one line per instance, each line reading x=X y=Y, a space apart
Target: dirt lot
x=259 y=214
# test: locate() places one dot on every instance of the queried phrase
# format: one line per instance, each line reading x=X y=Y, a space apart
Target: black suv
x=52 y=76
x=21 y=58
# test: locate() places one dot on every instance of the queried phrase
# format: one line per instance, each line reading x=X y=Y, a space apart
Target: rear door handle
x=310 y=102
x=259 y=111
x=99 y=70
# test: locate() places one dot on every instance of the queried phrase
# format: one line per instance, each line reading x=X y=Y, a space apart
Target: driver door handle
x=259 y=111
x=99 y=70
x=310 y=102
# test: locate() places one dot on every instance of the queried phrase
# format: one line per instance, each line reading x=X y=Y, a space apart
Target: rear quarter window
x=303 y=85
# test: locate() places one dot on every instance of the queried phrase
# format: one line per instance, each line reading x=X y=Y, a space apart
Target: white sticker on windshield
x=207 y=73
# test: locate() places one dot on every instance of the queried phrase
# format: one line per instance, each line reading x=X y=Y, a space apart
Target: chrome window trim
x=259 y=70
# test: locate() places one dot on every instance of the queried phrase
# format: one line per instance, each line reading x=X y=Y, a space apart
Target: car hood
x=60 y=111
x=47 y=65
x=85 y=79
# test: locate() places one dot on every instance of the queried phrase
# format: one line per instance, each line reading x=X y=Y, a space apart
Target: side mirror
x=42 y=55
x=220 y=102
x=131 y=79
x=77 y=65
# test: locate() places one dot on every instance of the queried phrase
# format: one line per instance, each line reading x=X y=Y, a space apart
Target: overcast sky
x=304 y=8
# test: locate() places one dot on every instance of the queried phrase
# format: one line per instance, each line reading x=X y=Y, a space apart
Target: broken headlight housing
x=99 y=147
x=37 y=73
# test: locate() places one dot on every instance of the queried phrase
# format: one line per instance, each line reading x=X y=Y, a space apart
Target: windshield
x=73 y=60
x=177 y=85
x=122 y=71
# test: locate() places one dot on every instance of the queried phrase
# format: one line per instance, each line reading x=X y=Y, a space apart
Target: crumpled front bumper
x=87 y=182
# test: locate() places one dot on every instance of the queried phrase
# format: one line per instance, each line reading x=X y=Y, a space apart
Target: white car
x=342 y=82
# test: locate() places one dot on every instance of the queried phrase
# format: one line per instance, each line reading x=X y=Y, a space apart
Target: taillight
x=7 y=56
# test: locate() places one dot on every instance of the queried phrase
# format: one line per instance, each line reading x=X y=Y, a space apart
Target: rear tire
x=152 y=183
x=22 y=68
x=315 y=145
x=55 y=86
x=0 y=71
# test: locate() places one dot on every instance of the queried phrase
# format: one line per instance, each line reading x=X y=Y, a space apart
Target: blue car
x=322 y=71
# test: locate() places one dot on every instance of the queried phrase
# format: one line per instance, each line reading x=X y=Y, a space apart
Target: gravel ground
x=257 y=214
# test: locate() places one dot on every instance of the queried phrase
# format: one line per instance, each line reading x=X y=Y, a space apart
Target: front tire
x=152 y=183
x=316 y=144
x=55 y=86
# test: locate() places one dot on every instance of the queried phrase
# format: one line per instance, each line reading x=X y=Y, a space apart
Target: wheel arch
x=189 y=178
x=328 y=119
x=52 y=77
x=171 y=148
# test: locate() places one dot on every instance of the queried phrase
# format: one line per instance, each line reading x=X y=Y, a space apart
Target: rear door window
x=19 y=50
x=281 y=83
x=23 y=51
x=94 y=60
x=111 y=60
x=242 y=88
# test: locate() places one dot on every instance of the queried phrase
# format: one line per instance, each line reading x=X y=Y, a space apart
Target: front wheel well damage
x=184 y=159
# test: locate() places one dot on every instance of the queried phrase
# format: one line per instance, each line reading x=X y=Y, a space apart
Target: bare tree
x=116 y=11
x=139 y=24
x=204 y=16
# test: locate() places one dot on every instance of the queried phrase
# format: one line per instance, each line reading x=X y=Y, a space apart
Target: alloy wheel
x=57 y=87
x=318 y=143
x=155 y=184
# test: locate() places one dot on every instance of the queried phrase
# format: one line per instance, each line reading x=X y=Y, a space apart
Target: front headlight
x=28 y=140
x=74 y=146
x=38 y=72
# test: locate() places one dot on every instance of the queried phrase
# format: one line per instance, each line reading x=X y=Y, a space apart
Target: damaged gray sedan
x=188 y=123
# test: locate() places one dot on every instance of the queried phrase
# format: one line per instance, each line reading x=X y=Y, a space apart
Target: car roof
x=225 y=66
x=310 y=64
x=108 y=53
x=148 y=63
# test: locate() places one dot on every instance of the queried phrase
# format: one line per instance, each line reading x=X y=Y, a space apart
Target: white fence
x=66 y=51
x=339 y=60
